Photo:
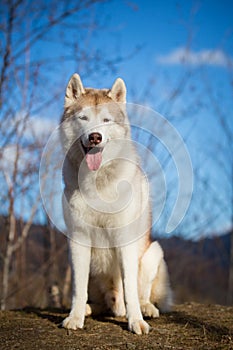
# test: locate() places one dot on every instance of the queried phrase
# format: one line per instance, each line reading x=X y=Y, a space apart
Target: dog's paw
x=119 y=309
x=139 y=327
x=72 y=322
x=115 y=303
x=88 y=310
x=149 y=310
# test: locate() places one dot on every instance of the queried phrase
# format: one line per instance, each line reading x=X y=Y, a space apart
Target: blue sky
x=161 y=27
x=155 y=34
x=164 y=45
x=200 y=33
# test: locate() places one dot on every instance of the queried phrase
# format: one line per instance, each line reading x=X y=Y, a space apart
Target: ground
x=189 y=326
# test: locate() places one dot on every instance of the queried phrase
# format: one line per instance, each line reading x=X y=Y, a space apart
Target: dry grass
x=189 y=326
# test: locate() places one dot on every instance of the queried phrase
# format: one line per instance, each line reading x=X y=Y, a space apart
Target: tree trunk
x=66 y=287
x=230 y=281
x=5 y=277
x=8 y=257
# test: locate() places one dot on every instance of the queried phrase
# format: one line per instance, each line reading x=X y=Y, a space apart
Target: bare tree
x=201 y=108
x=223 y=158
x=37 y=42
x=19 y=175
x=212 y=204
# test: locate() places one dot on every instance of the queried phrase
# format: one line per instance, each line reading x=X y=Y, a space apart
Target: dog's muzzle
x=93 y=151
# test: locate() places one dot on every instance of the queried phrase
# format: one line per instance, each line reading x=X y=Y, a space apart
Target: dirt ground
x=189 y=326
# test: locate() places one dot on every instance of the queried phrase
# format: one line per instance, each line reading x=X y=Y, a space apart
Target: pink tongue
x=94 y=160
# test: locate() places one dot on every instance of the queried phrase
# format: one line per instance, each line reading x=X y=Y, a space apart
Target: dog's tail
x=161 y=293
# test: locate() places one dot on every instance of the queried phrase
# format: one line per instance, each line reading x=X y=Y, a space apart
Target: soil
x=189 y=326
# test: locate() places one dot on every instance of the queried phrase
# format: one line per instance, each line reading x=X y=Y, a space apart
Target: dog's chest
x=103 y=261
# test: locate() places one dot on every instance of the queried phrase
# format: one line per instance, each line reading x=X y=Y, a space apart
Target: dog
x=116 y=266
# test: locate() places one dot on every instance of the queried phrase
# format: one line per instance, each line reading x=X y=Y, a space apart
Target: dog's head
x=93 y=118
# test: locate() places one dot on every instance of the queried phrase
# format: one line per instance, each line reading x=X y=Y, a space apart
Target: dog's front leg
x=80 y=263
x=129 y=268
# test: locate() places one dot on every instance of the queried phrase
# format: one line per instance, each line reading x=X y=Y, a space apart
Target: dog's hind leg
x=153 y=282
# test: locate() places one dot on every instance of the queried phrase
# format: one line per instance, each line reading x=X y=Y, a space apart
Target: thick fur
x=128 y=276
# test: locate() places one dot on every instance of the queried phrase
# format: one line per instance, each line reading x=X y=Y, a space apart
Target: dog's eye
x=106 y=120
x=83 y=117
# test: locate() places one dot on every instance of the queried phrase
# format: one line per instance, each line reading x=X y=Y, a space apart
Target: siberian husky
x=116 y=267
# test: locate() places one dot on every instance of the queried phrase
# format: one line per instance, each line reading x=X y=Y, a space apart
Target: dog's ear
x=74 y=90
x=118 y=91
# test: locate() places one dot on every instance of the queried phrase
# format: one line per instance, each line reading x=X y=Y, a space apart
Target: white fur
x=110 y=207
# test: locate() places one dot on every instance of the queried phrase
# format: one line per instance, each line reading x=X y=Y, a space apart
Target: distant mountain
x=199 y=270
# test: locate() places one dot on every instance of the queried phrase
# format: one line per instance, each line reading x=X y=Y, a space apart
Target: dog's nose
x=95 y=138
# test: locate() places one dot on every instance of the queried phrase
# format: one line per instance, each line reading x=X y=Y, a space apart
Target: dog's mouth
x=93 y=155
